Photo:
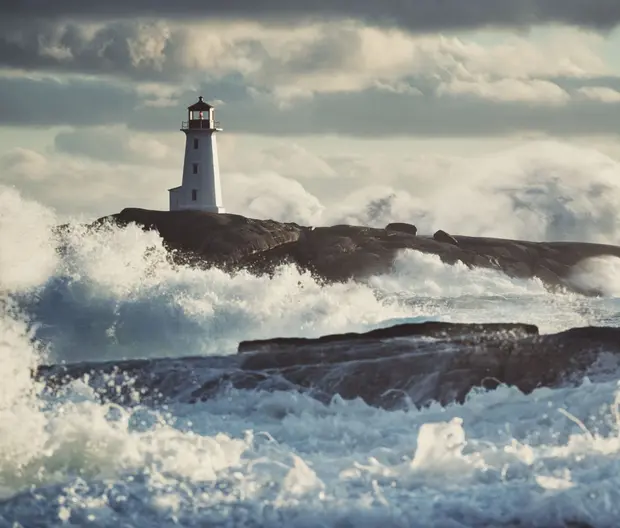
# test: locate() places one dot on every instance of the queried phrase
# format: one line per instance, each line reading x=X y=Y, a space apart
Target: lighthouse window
x=195 y=168
x=195 y=143
x=194 y=195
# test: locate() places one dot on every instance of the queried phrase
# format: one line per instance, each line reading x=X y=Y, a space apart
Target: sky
x=330 y=105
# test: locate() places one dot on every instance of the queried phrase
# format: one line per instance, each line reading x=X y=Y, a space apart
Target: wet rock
x=343 y=252
x=445 y=238
x=406 y=364
x=400 y=227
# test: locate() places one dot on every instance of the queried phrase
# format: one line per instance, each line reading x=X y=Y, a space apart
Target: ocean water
x=250 y=458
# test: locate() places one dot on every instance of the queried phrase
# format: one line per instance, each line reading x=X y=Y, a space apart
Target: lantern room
x=200 y=115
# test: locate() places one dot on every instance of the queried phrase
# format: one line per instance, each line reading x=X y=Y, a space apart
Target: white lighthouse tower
x=200 y=188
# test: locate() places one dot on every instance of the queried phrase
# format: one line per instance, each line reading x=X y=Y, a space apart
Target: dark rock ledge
x=343 y=252
x=408 y=364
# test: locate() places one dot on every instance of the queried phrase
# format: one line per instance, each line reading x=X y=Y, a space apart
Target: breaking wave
x=283 y=458
x=114 y=294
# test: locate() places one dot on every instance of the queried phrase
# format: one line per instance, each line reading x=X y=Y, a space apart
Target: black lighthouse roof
x=199 y=106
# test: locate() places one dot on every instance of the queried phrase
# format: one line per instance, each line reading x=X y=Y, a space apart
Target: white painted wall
x=206 y=183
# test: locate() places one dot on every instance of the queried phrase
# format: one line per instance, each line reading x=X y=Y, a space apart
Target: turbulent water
x=249 y=458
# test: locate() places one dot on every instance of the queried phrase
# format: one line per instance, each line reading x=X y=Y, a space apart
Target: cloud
x=321 y=78
x=603 y=94
x=85 y=187
x=74 y=186
x=285 y=79
x=286 y=158
x=109 y=48
x=317 y=58
x=99 y=171
x=24 y=165
x=122 y=146
x=508 y=90
x=115 y=146
x=369 y=113
x=415 y=15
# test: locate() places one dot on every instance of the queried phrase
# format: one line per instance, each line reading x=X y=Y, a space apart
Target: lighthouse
x=200 y=188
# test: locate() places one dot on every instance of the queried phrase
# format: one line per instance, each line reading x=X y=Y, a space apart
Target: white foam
x=115 y=295
x=501 y=457
x=131 y=302
x=27 y=258
x=601 y=274
x=459 y=294
x=418 y=274
x=281 y=458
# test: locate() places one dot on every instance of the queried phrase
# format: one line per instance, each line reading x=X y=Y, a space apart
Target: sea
x=249 y=458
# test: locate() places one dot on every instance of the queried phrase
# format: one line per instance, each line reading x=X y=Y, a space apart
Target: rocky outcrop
x=400 y=227
x=408 y=364
x=444 y=238
x=343 y=252
x=215 y=239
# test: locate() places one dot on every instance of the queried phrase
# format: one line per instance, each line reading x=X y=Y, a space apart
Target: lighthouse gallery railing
x=199 y=123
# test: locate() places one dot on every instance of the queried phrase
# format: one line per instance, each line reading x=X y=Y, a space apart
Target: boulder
x=445 y=238
x=400 y=227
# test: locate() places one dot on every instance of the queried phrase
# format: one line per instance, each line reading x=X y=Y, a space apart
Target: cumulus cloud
x=508 y=90
x=115 y=146
x=286 y=78
x=603 y=94
x=344 y=78
x=317 y=58
x=416 y=15
x=91 y=66
x=110 y=47
x=367 y=113
x=286 y=158
x=24 y=165
x=99 y=171
x=74 y=186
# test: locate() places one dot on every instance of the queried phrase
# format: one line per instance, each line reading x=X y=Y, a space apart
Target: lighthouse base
x=208 y=209
x=205 y=208
x=177 y=203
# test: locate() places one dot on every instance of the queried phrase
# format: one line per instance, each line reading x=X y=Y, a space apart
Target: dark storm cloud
x=73 y=47
x=415 y=15
x=371 y=113
x=156 y=52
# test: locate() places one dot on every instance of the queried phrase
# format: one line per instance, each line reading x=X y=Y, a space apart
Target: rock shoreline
x=414 y=364
x=343 y=252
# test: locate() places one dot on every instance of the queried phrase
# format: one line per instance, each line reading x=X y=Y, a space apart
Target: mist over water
x=540 y=191
x=284 y=459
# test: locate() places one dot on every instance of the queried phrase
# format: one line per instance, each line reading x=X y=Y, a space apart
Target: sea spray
x=600 y=274
x=116 y=295
x=113 y=293
x=277 y=458
x=540 y=191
